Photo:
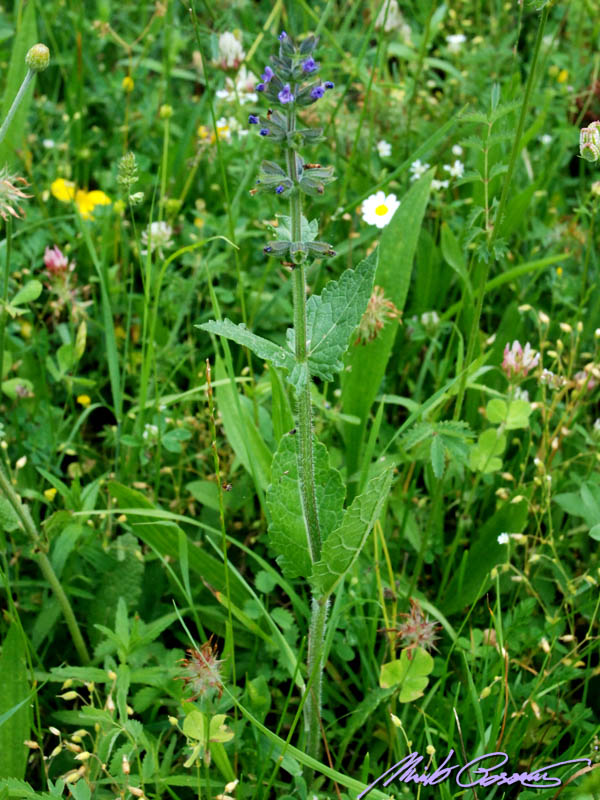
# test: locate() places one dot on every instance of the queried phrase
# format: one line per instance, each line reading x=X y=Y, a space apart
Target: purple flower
x=285 y=95
x=260 y=87
x=282 y=36
x=264 y=131
x=267 y=249
x=310 y=65
x=329 y=84
x=279 y=189
x=267 y=75
x=252 y=119
x=317 y=92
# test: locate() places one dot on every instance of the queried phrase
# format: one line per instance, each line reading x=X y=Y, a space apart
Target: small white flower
x=417 y=169
x=504 y=538
x=156 y=236
x=242 y=88
x=48 y=143
x=457 y=150
x=394 y=21
x=224 y=128
x=150 y=432
x=546 y=139
x=455 y=170
x=231 y=52
x=455 y=42
x=521 y=394
x=430 y=319
x=378 y=209
x=384 y=148
x=437 y=185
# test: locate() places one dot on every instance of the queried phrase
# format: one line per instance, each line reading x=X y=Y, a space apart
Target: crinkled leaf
x=333 y=315
x=287 y=529
x=263 y=348
x=342 y=547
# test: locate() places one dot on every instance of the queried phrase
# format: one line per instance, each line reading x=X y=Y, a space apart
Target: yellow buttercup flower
x=84 y=400
x=128 y=83
x=66 y=192
x=50 y=494
x=63 y=190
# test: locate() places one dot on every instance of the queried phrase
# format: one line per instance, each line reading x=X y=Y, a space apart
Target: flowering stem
x=4 y=300
x=16 y=103
x=45 y=565
x=306 y=465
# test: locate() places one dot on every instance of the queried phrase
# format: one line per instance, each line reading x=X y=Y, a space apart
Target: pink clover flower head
x=55 y=261
x=417 y=631
x=518 y=361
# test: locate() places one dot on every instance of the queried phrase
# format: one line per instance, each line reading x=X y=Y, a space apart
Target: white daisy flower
x=417 y=169
x=455 y=170
x=378 y=209
x=384 y=148
x=457 y=150
x=455 y=42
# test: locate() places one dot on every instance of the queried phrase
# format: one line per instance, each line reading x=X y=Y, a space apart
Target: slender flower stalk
x=37 y=59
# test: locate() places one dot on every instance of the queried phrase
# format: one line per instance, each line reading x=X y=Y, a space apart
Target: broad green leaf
x=194 y=727
x=595 y=532
x=332 y=316
x=263 y=348
x=472 y=579
x=31 y=291
x=65 y=356
x=408 y=673
x=26 y=36
x=14 y=386
x=343 y=546
x=287 y=528
x=453 y=254
x=585 y=503
x=14 y=687
x=367 y=363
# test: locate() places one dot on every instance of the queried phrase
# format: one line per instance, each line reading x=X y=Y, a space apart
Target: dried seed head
x=202 y=671
x=10 y=194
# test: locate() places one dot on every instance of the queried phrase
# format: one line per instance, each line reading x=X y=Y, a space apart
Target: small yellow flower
x=205 y=134
x=562 y=76
x=128 y=84
x=26 y=329
x=87 y=201
x=50 y=494
x=84 y=400
x=63 y=190
x=66 y=192
x=199 y=222
x=559 y=271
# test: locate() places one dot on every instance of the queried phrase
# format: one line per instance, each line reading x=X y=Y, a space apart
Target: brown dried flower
x=10 y=194
x=417 y=631
x=202 y=671
x=379 y=310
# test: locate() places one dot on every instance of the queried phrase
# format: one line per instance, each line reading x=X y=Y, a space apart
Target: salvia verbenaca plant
x=314 y=537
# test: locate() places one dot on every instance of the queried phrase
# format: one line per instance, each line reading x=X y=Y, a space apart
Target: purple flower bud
x=317 y=92
x=252 y=119
x=267 y=249
x=282 y=36
x=329 y=84
x=310 y=65
x=260 y=87
x=285 y=95
x=267 y=75
x=279 y=189
x=264 y=131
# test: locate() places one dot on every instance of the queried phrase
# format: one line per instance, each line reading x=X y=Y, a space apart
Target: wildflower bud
x=329 y=84
x=264 y=131
x=396 y=720
x=83 y=756
x=430 y=750
x=38 y=58
x=597 y=333
x=58 y=749
x=54 y=730
x=135 y=199
x=485 y=693
x=125 y=765
x=564 y=326
x=127 y=84
x=69 y=695
x=136 y=791
x=20 y=463
x=596 y=187
x=165 y=111
x=31 y=744
x=112 y=675
x=68 y=683
x=544 y=318
x=317 y=92
x=173 y=721
x=589 y=142
x=253 y=119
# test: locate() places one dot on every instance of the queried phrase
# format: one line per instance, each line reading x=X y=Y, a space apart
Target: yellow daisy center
x=381 y=210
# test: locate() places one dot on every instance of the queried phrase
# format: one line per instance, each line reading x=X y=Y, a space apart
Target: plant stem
x=4 y=301
x=16 y=103
x=45 y=565
x=306 y=469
